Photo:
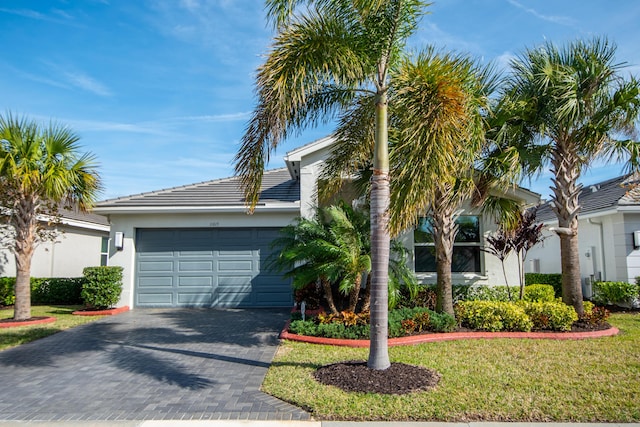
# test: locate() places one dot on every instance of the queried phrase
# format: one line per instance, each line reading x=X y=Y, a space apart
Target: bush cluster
x=521 y=316
x=539 y=293
x=493 y=316
x=102 y=286
x=64 y=291
x=554 y=280
x=615 y=292
x=347 y=325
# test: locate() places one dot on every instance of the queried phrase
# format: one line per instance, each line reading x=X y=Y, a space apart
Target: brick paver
x=148 y=364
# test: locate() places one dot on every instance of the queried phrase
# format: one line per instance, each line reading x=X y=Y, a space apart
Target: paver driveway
x=148 y=364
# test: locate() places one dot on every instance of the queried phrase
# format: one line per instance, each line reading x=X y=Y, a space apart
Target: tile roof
x=277 y=187
x=90 y=217
x=603 y=195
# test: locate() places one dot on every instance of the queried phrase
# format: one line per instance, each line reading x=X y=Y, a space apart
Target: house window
x=466 y=249
x=104 y=251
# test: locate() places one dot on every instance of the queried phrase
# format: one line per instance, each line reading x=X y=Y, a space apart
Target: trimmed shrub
x=491 y=293
x=539 y=293
x=550 y=315
x=614 y=292
x=554 y=280
x=493 y=316
x=7 y=293
x=102 y=287
x=57 y=291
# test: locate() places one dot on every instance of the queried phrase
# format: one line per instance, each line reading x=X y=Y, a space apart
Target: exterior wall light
x=119 y=240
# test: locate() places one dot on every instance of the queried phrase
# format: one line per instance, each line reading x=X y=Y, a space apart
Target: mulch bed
x=399 y=378
x=11 y=323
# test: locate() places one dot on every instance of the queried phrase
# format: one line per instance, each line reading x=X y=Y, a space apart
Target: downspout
x=604 y=263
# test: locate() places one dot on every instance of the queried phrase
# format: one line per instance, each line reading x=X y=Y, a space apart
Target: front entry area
x=208 y=267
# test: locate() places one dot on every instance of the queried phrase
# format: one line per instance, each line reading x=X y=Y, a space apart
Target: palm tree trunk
x=328 y=295
x=444 y=236
x=566 y=206
x=24 y=224
x=366 y=298
x=355 y=294
x=380 y=241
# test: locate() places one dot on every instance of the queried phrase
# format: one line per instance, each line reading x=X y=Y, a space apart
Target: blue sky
x=161 y=90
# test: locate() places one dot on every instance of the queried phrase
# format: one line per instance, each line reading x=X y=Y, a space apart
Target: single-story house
x=195 y=245
x=82 y=241
x=608 y=234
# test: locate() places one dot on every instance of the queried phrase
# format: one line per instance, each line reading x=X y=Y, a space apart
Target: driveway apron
x=148 y=364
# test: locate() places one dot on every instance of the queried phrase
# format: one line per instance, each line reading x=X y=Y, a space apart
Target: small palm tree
x=565 y=107
x=40 y=172
x=331 y=248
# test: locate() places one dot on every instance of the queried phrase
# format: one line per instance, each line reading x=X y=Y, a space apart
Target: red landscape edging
x=450 y=336
x=27 y=322
x=108 y=312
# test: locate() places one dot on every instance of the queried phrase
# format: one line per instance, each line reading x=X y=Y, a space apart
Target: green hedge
x=523 y=316
x=554 y=280
x=614 y=292
x=102 y=286
x=64 y=291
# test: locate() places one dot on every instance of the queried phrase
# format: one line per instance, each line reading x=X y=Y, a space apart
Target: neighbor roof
x=277 y=188
x=602 y=196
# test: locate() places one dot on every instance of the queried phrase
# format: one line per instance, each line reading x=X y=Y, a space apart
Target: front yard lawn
x=11 y=337
x=482 y=380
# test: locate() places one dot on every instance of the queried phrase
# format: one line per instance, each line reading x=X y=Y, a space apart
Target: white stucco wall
x=129 y=223
x=605 y=245
x=67 y=256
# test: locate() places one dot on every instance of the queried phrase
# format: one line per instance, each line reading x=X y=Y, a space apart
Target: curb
x=27 y=322
x=108 y=312
x=450 y=336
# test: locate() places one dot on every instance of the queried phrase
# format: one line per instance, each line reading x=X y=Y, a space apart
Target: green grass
x=482 y=380
x=11 y=337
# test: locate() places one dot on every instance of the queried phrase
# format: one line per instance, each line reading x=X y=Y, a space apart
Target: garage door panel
x=205 y=282
x=155 y=299
x=197 y=266
x=156 y=266
x=155 y=282
x=235 y=265
x=194 y=299
x=207 y=267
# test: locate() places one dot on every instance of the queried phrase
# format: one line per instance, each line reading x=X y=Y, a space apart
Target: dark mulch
x=399 y=378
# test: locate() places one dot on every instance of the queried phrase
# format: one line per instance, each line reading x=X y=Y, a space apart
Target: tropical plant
x=567 y=107
x=329 y=55
x=333 y=248
x=41 y=172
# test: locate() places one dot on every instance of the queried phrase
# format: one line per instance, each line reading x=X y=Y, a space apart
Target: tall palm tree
x=325 y=53
x=566 y=107
x=438 y=103
x=40 y=171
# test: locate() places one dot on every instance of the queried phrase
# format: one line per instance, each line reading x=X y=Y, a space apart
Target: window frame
x=469 y=244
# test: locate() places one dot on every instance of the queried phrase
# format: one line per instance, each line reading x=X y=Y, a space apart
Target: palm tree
x=567 y=107
x=437 y=102
x=325 y=53
x=40 y=171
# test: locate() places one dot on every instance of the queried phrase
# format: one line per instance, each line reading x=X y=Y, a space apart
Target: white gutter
x=293 y=207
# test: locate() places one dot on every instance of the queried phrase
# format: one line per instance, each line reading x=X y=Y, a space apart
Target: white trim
x=288 y=207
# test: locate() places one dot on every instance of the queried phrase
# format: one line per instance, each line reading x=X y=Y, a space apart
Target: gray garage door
x=220 y=267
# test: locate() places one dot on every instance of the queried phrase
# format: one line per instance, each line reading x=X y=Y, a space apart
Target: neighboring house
x=195 y=245
x=82 y=241
x=608 y=220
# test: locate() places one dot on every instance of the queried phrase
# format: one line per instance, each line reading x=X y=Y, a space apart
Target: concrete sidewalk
x=248 y=423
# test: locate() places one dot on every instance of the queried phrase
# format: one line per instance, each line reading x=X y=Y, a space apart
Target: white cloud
x=562 y=20
x=232 y=117
x=85 y=82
